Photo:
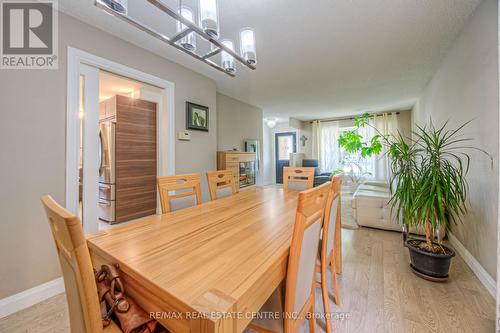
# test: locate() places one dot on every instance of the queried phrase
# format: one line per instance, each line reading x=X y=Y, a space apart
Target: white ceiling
x=319 y=58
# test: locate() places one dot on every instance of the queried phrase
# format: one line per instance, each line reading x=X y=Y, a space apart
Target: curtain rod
x=350 y=118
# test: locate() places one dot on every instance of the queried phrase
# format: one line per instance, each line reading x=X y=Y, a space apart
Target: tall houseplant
x=429 y=188
x=359 y=149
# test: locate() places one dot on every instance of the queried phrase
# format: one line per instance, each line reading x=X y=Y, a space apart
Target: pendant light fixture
x=120 y=6
x=227 y=59
x=271 y=122
x=208 y=18
x=186 y=31
x=189 y=41
x=247 y=40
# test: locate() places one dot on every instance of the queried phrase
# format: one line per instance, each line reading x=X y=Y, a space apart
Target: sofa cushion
x=373 y=188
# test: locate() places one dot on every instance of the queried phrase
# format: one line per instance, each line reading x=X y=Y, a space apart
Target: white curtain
x=316 y=140
x=325 y=147
x=329 y=149
x=386 y=123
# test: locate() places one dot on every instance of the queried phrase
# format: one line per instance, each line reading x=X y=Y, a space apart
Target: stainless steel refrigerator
x=107 y=171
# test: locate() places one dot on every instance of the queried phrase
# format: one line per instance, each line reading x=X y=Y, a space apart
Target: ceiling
x=316 y=59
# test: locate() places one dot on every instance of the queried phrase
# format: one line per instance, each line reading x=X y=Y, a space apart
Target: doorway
x=83 y=160
x=285 y=144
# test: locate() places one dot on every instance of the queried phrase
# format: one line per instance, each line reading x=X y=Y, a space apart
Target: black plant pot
x=430 y=266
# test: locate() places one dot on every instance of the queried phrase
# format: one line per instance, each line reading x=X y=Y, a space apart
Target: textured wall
x=465 y=87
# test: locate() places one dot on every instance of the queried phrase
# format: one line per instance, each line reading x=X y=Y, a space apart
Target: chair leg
x=312 y=319
x=259 y=329
x=326 y=301
x=334 y=280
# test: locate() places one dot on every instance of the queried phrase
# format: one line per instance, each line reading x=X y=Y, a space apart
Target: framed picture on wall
x=196 y=117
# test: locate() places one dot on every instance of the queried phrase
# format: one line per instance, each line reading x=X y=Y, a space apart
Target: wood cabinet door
x=136 y=158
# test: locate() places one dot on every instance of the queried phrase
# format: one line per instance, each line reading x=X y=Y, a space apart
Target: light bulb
x=271 y=122
x=119 y=6
x=247 y=47
x=227 y=59
x=208 y=18
x=189 y=41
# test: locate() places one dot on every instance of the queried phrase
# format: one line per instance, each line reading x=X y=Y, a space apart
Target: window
x=285 y=147
x=353 y=162
x=329 y=147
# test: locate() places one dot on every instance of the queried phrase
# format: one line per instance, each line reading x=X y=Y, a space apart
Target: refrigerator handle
x=105 y=203
x=101 y=148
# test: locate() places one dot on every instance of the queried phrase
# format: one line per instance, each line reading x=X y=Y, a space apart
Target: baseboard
x=29 y=297
x=483 y=276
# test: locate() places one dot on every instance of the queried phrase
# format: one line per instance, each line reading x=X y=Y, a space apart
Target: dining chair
x=76 y=266
x=221 y=184
x=327 y=249
x=298 y=178
x=186 y=190
x=300 y=281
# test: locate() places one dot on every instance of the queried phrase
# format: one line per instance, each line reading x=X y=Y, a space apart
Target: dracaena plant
x=428 y=181
x=429 y=174
x=442 y=160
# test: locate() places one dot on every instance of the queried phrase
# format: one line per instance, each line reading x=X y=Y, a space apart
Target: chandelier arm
x=159 y=36
x=211 y=53
x=180 y=35
x=199 y=31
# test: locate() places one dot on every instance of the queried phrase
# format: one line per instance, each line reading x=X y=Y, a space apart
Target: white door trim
x=90 y=142
x=166 y=132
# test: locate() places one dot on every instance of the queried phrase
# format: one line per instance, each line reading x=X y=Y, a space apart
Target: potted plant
x=428 y=189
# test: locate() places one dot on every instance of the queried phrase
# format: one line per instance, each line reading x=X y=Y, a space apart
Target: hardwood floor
x=379 y=294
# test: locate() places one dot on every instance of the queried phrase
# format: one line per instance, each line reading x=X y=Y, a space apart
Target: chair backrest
x=332 y=217
x=76 y=266
x=299 y=293
x=298 y=178
x=221 y=183
x=186 y=188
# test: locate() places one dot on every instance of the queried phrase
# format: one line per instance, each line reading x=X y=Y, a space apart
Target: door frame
x=276 y=152
x=165 y=119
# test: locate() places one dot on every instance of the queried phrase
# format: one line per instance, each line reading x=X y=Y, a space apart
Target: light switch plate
x=184 y=136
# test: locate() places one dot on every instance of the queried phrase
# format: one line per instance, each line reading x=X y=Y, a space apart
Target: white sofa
x=371 y=207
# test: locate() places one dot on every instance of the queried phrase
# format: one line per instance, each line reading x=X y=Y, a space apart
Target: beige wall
x=32 y=141
x=465 y=87
x=405 y=123
x=236 y=123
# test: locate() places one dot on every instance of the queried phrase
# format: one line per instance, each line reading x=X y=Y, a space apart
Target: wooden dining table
x=206 y=268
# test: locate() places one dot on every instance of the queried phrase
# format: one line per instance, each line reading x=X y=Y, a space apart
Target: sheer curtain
x=329 y=149
x=386 y=123
x=325 y=147
x=316 y=140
